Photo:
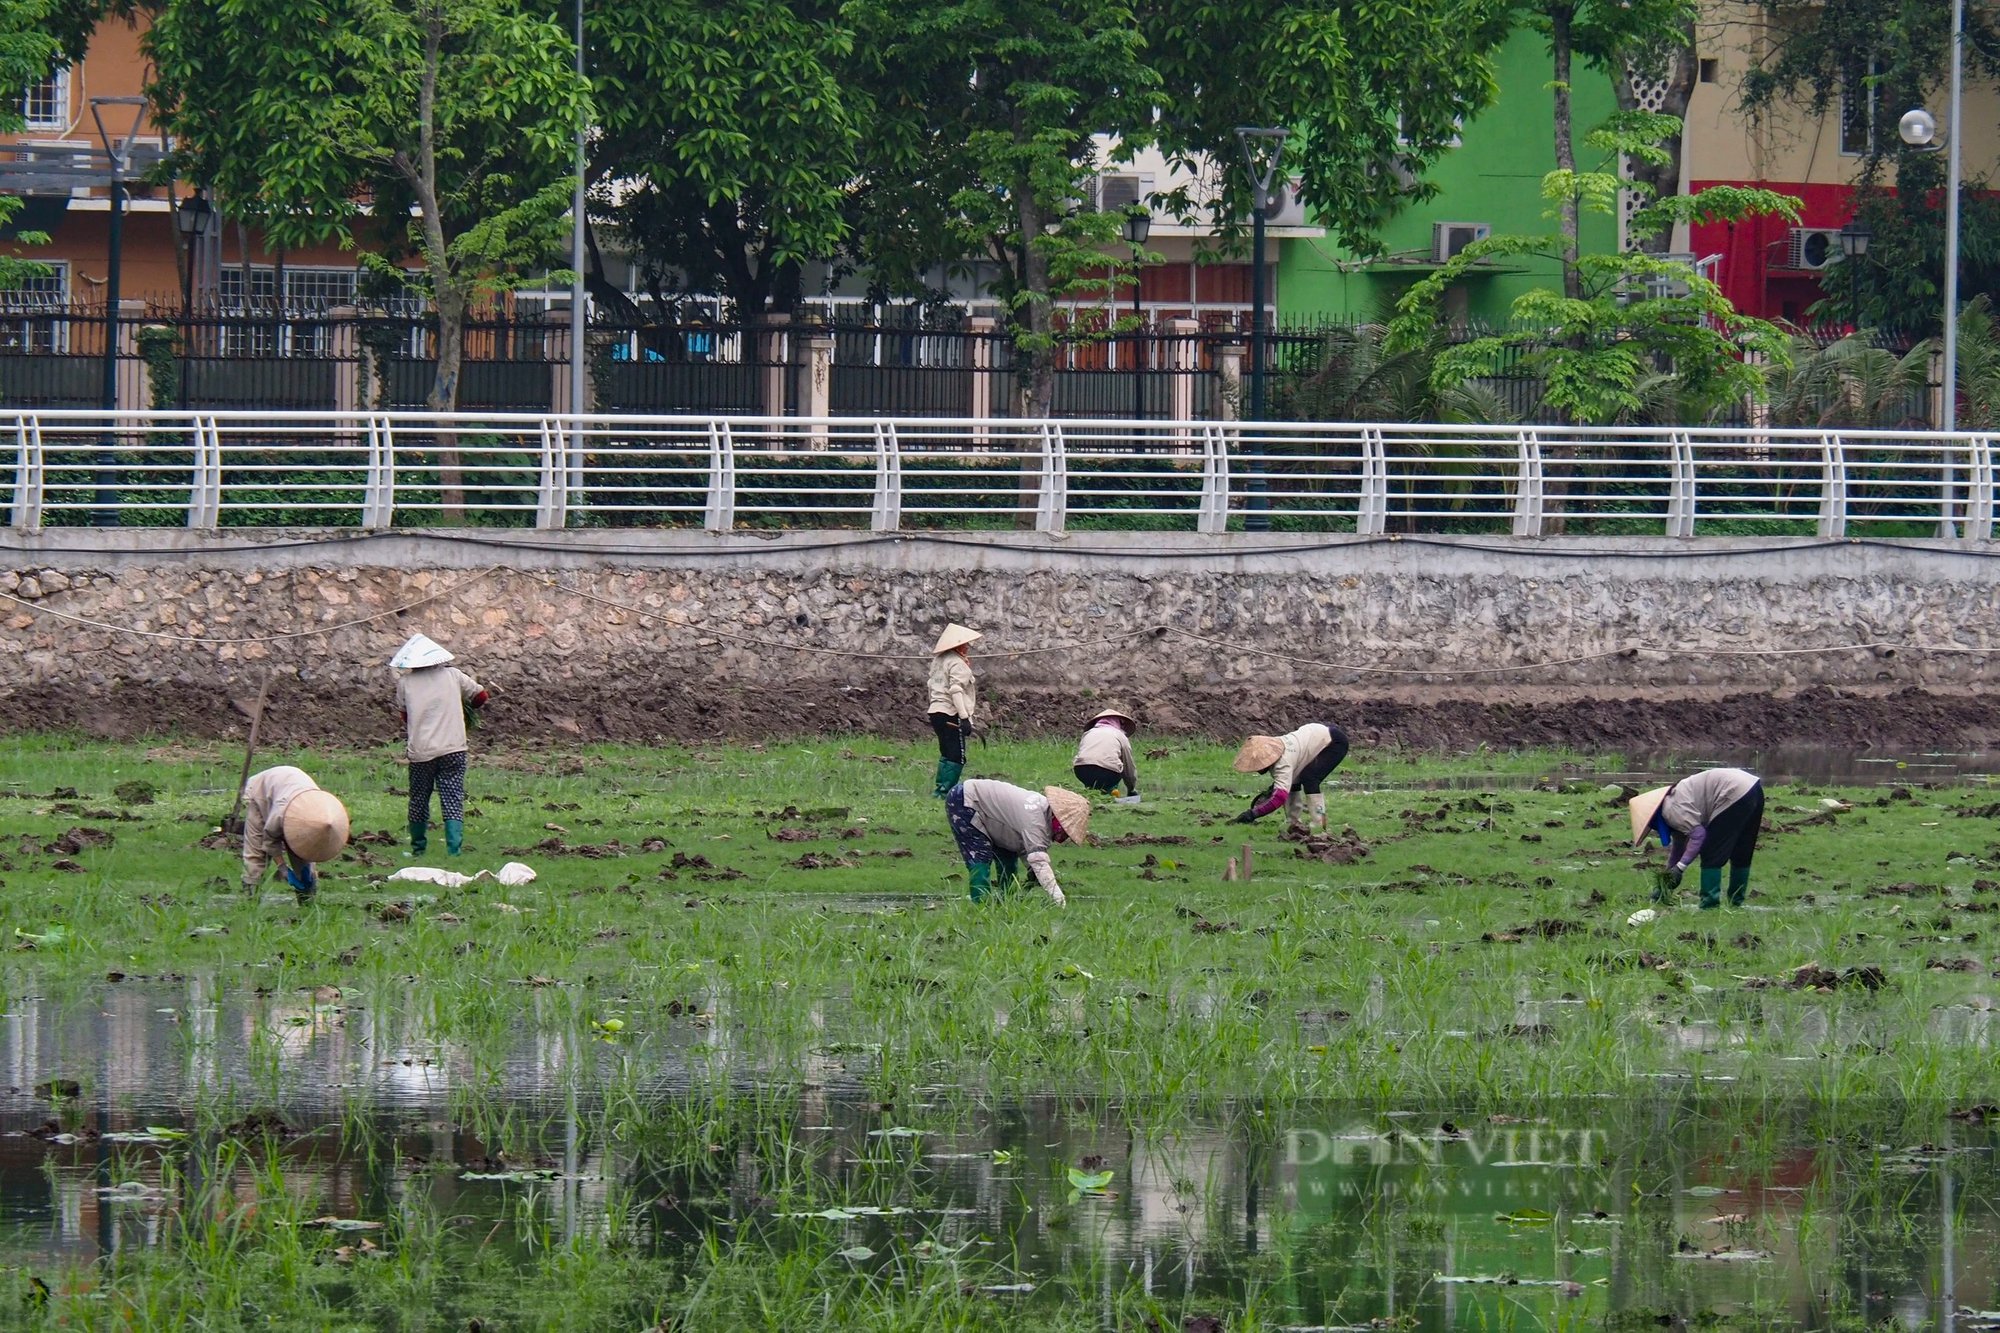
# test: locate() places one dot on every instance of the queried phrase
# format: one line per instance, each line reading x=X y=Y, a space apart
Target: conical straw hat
x=315 y=826
x=1259 y=753
x=420 y=651
x=1071 y=811
x=1644 y=806
x=955 y=636
x=1131 y=723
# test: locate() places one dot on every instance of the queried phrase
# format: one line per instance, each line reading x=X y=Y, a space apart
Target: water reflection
x=1674 y=1206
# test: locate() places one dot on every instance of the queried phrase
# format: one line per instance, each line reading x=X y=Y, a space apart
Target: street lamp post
x=192 y=217
x=1263 y=149
x=1854 y=238
x=1918 y=128
x=119 y=151
x=1138 y=226
x=577 y=300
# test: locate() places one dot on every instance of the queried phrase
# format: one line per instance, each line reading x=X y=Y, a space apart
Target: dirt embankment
x=673 y=709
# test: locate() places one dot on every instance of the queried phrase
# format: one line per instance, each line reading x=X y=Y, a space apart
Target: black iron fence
x=301 y=358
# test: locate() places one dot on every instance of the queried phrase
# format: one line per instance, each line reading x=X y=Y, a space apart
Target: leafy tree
x=31 y=43
x=1894 y=53
x=1361 y=84
x=1608 y=35
x=1353 y=376
x=1634 y=313
x=447 y=125
x=995 y=104
x=737 y=124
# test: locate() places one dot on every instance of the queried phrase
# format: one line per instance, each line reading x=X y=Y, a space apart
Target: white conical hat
x=315 y=826
x=1644 y=806
x=420 y=651
x=1071 y=811
x=955 y=636
x=1258 y=753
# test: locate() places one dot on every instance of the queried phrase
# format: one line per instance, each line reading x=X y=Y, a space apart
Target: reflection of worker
x=1298 y=763
x=286 y=817
x=437 y=699
x=1104 y=755
x=998 y=824
x=1714 y=815
x=953 y=695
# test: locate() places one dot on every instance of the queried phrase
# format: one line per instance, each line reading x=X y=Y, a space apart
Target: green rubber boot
x=947 y=777
x=1739 y=884
x=1711 y=888
x=980 y=880
x=1009 y=868
x=418 y=839
x=454 y=836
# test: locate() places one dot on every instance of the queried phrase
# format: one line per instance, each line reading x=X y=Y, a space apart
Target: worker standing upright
x=437 y=700
x=287 y=818
x=1298 y=762
x=953 y=696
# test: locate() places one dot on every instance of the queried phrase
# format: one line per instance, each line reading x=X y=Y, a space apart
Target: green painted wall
x=1494 y=176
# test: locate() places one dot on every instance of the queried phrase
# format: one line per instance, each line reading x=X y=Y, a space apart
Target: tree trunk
x=1033 y=323
x=1559 y=46
x=443 y=397
x=1677 y=67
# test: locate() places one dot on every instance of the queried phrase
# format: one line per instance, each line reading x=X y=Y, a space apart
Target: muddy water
x=1653 y=1209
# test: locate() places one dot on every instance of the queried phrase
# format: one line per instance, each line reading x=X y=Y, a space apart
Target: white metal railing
x=207 y=470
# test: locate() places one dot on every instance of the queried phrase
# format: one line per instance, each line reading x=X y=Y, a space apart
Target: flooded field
x=742 y=1056
x=362 y=1134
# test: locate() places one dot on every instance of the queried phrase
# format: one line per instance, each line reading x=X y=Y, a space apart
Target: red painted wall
x=1752 y=274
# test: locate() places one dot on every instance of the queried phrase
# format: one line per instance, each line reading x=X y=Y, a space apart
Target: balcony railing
x=378 y=470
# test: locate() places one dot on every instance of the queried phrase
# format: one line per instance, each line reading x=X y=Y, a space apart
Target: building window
x=1860 y=98
x=22 y=328
x=1705 y=69
x=46 y=103
x=309 y=292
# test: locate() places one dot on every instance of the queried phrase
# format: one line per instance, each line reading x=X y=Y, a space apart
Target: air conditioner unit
x=1119 y=191
x=1448 y=238
x=1811 y=249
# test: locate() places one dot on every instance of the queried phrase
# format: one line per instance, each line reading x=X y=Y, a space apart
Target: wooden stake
x=1247 y=861
x=1229 y=872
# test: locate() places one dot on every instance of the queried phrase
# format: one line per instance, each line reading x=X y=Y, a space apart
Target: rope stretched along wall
x=1150 y=631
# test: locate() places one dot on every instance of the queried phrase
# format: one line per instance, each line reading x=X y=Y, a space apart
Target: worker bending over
x=287 y=818
x=1298 y=763
x=998 y=824
x=1714 y=815
x=1104 y=755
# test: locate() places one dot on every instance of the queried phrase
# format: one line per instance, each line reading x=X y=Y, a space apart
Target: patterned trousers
x=447 y=774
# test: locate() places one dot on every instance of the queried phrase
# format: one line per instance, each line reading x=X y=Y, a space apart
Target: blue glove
x=306 y=883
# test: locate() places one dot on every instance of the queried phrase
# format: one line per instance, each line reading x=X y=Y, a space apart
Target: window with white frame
x=22 y=329
x=45 y=106
x=292 y=330
x=1860 y=99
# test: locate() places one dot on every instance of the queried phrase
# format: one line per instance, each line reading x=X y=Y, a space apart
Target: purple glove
x=1272 y=802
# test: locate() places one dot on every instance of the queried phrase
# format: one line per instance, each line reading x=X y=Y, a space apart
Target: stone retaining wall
x=746 y=611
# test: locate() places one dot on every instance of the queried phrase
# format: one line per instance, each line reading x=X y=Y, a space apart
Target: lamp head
x=1138 y=224
x=194 y=214
x=1918 y=128
x=1854 y=238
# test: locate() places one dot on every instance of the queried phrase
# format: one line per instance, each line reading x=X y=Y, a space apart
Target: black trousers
x=1732 y=835
x=1098 y=779
x=951 y=741
x=1309 y=778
